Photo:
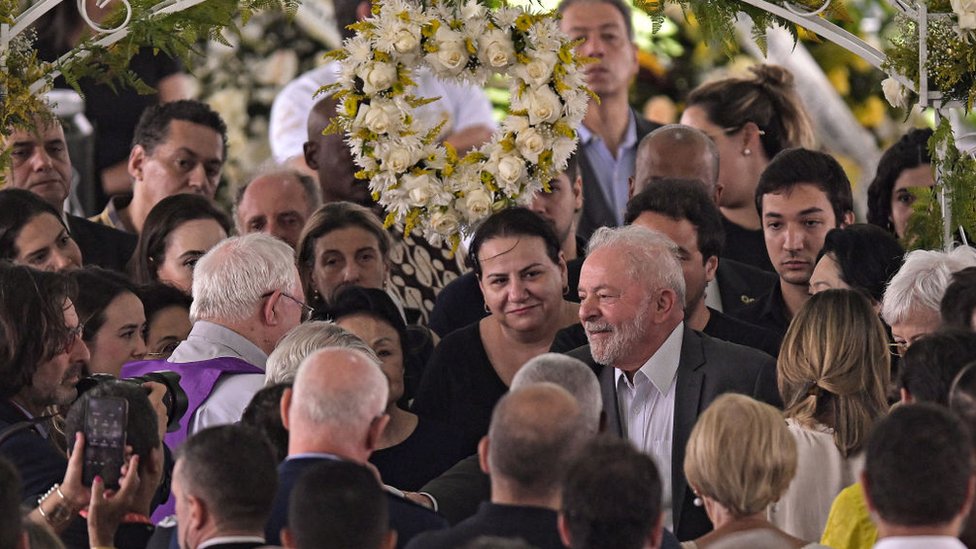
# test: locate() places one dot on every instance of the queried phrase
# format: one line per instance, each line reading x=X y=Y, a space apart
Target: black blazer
x=708 y=367
x=100 y=245
x=741 y=284
x=596 y=211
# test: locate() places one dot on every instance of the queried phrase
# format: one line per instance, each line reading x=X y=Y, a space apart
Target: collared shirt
x=612 y=168
x=41 y=428
x=110 y=215
x=646 y=407
x=919 y=542
x=461 y=105
x=231 y=393
x=230 y=539
x=713 y=295
x=768 y=311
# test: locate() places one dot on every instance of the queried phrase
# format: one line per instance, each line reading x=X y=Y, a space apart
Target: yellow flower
x=840 y=79
x=871 y=113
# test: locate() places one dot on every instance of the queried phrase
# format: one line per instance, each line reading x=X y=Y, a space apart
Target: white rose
x=531 y=144
x=966 y=12
x=377 y=77
x=543 y=105
x=477 y=204
x=405 y=41
x=452 y=54
x=376 y=119
x=444 y=222
x=418 y=188
x=510 y=169
x=895 y=93
x=497 y=49
x=538 y=70
x=396 y=159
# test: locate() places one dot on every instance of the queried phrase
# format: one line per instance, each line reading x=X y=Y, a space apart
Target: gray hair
x=230 y=280
x=922 y=281
x=313 y=192
x=653 y=257
x=304 y=340
x=325 y=392
x=569 y=373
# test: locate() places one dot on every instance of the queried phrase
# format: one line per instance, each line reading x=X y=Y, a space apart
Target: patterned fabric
x=418 y=272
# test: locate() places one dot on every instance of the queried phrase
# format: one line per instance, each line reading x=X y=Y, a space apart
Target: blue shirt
x=612 y=168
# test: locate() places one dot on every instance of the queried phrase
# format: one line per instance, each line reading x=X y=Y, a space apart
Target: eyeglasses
x=71 y=338
x=898 y=348
x=306 y=309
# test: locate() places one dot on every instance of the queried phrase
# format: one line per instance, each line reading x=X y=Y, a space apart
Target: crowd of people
x=687 y=341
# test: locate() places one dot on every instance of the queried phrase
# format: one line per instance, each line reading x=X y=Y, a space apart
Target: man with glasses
x=244 y=301
x=41 y=359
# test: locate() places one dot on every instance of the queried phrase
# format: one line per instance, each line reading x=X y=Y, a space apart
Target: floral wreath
x=423 y=184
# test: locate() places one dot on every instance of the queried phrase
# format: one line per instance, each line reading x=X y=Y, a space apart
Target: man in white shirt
x=657 y=373
x=466 y=108
x=918 y=478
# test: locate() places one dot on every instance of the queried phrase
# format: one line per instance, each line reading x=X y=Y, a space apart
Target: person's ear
x=848 y=219
x=667 y=300
x=717 y=195
x=137 y=159
x=310 y=150
x=287 y=539
x=751 y=139
x=483 y=446
x=199 y=514
x=376 y=428
x=564 y=272
x=390 y=540
x=906 y=397
x=269 y=316
x=286 y=408
x=577 y=188
x=867 y=496
x=563 y=528
x=711 y=267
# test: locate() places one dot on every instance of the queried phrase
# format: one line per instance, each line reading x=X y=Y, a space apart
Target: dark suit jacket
x=101 y=245
x=708 y=367
x=535 y=525
x=741 y=284
x=596 y=211
x=38 y=462
x=406 y=517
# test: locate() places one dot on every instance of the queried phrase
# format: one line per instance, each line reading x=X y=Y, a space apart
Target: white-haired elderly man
x=658 y=374
x=245 y=299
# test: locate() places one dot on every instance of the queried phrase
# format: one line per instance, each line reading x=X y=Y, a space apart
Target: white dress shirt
x=919 y=542
x=231 y=393
x=462 y=105
x=646 y=407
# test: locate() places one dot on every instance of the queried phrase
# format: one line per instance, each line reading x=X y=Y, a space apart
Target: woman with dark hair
x=522 y=274
x=412 y=450
x=114 y=319
x=33 y=233
x=904 y=166
x=751 y=119
x=178 y=231
x=343 y=244
x=858 y=257
x=167 y=318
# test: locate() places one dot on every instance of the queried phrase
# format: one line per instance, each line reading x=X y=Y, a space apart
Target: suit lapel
x=687 y=397
x=608 y=390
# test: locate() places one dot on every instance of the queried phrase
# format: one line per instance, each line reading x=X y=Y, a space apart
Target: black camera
x=175 y=399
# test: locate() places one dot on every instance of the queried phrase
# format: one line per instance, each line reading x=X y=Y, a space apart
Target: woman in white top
x=740 y=458
x=833 y=369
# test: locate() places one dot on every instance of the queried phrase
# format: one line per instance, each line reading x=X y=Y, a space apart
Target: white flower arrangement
x=426 y=185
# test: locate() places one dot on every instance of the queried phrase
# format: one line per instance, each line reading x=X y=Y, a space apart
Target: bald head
x=535 y=431
x=337 y=396
x=676 y=151
x=571 y=374
x=329 y=156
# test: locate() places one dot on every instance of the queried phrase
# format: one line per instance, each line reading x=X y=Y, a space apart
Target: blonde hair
x=767 y=98
x=834 y=367
x=741 y=454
